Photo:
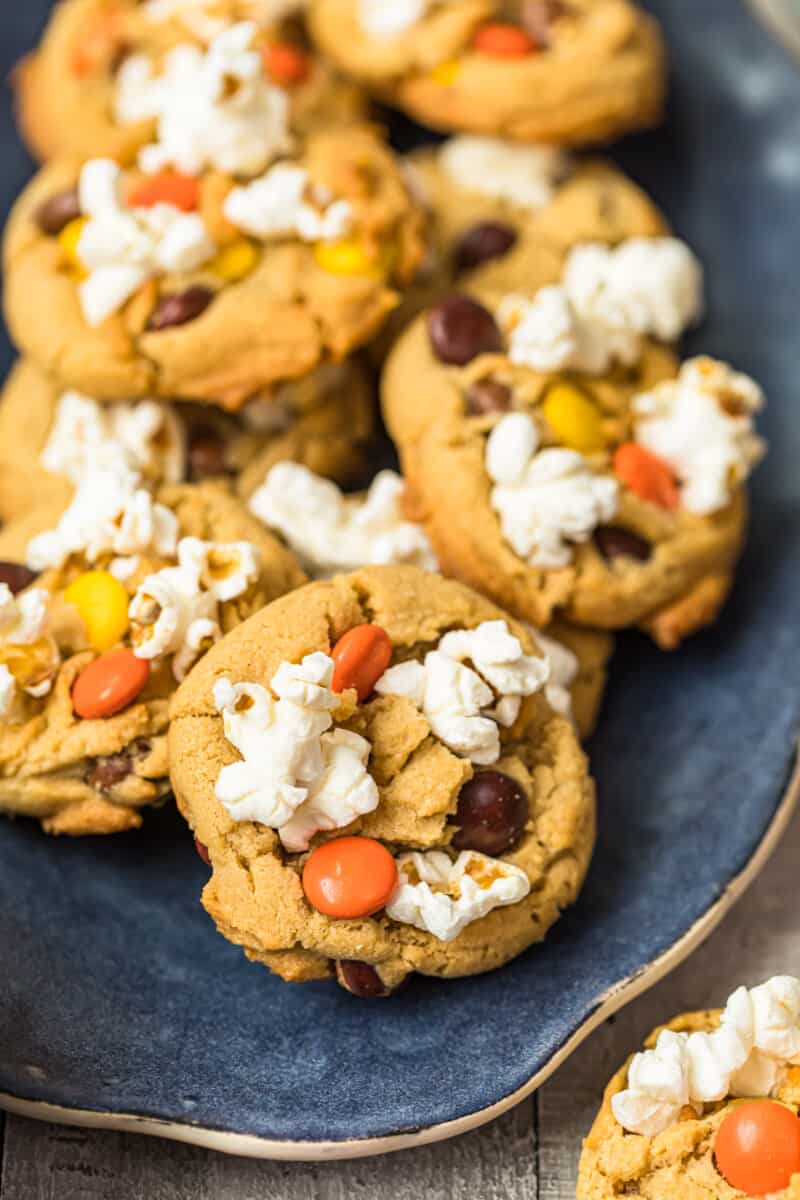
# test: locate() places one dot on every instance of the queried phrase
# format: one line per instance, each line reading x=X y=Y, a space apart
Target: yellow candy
x=102 y=603
x=574 y=419
x=68 y=240
x=348 y=258
x=446 y=73
x=236 y=260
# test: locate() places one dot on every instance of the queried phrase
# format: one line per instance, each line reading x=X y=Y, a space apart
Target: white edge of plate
x=773 y=14
x=250 y=1146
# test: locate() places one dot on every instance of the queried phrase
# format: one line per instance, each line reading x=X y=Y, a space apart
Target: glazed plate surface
x=120 y=1004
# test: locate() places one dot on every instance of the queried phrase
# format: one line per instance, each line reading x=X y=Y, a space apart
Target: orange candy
x=285 y=64
x=360 y=658
x=503 y=41
x=109 y=684
x=757 y=1147
x=647 y=475
x=169 y=187
x=349 y=877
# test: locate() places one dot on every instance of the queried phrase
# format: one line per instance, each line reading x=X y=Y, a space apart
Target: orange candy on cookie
x=350 y=877
x=109 y=684
x=168 y=187
x=360 y=658
x=285 y=64
x=647 y=475
x=500 y=40
x=757 y=1147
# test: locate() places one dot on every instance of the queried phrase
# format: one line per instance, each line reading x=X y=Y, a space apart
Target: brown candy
x=613 y=542
x=107 y=771
x=460 y=329
x=206 y=453
x=360 y=979
x=487 y=396
x=16 y=575
x=178 y=308
x=492 y=814
x=483 y=242
x=202 y=850
x=539 y=15
x=55 y=214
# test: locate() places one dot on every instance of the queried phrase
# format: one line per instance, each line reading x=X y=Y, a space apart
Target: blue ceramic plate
x=119 y=1003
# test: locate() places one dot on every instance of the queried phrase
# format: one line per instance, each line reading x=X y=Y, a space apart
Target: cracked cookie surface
x=255 y=894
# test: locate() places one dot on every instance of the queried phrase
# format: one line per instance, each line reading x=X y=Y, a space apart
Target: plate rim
x=246 y=1145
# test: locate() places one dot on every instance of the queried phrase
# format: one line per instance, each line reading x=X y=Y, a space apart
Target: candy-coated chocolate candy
x=202 y=850
x=168 y=187
x=349 y=877
x=109 y=684
x=360 y=658
x=361 y=979
x=285 y=64
x=57 y=212
x=757 y=1147
x=446 y=73
x=107 y=771
x=483 y=242
x=347 y=257
x=647 y=475
x=68 y=240
x=503 y=41
x=102 y=603
x=177 y=308
x=235 y=260
x=538 y=17
x=488 y=396
x=16 y=576
x=460 y=329
x=574 y=419
x=613 y=542
x=492 y=814
x=206 y=453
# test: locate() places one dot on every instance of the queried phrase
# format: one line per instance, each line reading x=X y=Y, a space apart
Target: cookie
x=80 y=92
x=48 y=437
x=103 y=609
x=330 y=532
x=670 y=1121
x=569 y=72
x=457 y=836
x=191 y=284
x=560 y=459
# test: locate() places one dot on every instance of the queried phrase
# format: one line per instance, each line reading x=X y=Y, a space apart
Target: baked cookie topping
x=333 y=749
x=672 y=1121
x=566 y=73
x=119 y=598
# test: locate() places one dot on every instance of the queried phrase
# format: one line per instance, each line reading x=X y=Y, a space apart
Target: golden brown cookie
x=225 y=292
x=325 y=421
x=67 y=90
x=608 y=496
x=115 y=603
x=571 y=73
x=403 y=805
x=677 y=1158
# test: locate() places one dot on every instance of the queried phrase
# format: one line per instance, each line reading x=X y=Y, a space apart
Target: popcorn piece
x=277 y=206
x=388 y=18
x=461 y=708
x=443 y=897
x=548 y=499
x=331 y=532
x=214 y=109
x=525 y=176
x=108 y=515
x=26 y=646
x=121 y=248
x=297 y=775
x=175 y=610
x=759 y=1036
x=147 y=437
x=564 y=668
x=607 y=301
x=702 y=425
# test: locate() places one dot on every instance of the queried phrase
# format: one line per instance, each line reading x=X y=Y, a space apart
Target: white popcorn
x=332 y=532
x=121 y=248
x=296 y=774
x=175 y=610
x=24 y=622
x=277 y=206
x=564 y=670
x=607 y=301
x=214 y=108
x=525 y=176
x=548 y=503
x=204 y=19
x=702 y=425
x=388 y=18
x=443 y=897
x=759 y=1036
x=109 y=514
x=146 y=435
x=459 y=704
x=8 y=692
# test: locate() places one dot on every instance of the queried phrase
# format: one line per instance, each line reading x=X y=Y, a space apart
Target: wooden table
x=530 y=1154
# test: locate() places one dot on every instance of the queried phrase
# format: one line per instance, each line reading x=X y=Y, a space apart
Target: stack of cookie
x=368 y=704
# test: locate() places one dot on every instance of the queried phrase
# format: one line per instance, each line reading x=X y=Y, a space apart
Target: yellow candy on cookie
x=236 y=260
x=574 y=419
x=68 y=240
x=102 y=602
x=446 y=73
x=347 y=257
